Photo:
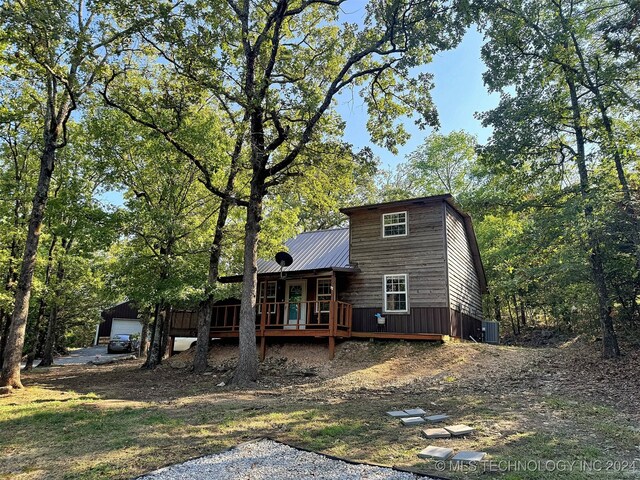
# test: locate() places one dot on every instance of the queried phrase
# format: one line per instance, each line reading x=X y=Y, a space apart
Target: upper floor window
x=396 y=293
x=394 y=224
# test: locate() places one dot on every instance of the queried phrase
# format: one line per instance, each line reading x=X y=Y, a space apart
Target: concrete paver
x=436 y=453
x=436 y=433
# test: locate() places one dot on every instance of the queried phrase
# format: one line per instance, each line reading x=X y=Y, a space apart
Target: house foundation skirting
x=418 y=322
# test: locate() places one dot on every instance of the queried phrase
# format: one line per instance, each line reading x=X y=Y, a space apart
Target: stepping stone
x=437 y=453
x=413 y=412
x=436 y=418
x=436 y=433
x=467 y=456
x=409 y=421
x=398 y=414
x=458 y=430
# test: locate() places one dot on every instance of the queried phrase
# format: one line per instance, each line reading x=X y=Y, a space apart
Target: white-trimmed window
x=268 y=289
x=396 y=297
x=323 y=294
x=394 y=224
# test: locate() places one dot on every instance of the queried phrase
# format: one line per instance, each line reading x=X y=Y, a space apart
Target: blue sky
x=458 y=94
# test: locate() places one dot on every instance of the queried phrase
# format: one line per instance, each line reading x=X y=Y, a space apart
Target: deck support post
x=263 y=347
x=333 y=316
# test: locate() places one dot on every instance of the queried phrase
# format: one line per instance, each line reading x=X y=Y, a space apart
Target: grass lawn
x=529 y=405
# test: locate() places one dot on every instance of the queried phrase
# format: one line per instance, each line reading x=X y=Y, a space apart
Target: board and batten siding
x=420 y=255
x=464 y=286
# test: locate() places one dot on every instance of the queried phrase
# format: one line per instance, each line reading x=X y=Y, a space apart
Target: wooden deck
x=329 y=319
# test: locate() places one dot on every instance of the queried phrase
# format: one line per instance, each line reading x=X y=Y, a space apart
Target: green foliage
x=561 y=91
x=19 y=133
x=161 y=254
x=329 y=179
x=444 y=164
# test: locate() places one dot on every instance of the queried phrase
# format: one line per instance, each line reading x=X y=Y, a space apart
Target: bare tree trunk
x=634 y=307
x=41 y=308
x=206 y=307
x=514 y=323
x=165 y=348
x=523 y=314
x=154 y=325
x=144 y=346
x=610 y=346
x=52 y=327
x=496 y=307
x=49 y=342
x=15 y=340
x=247 y=370
x=205 y=312
x=36 y=335
x=5 y=321
x=154 y=358
x=9 y=282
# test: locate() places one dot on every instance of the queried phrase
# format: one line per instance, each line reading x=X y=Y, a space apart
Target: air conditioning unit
x=491 y=332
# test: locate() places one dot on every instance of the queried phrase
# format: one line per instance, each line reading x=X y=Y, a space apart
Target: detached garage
x=119 y=319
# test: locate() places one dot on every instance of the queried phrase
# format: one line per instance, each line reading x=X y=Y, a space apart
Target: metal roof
x=319 y=250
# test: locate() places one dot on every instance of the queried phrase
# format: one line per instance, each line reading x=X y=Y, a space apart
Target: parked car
x=184 y=343
x=123 y=342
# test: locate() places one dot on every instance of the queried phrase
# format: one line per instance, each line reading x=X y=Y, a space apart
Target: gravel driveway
x=85 y=355
x=269 y=460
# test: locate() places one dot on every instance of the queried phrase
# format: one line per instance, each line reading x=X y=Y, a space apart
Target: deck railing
x=329 y=317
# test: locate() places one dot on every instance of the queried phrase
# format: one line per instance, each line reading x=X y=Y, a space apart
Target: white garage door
x=124 y=326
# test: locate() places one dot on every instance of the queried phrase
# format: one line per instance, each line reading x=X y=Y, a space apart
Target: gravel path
x=269 y=460
x=81 y=356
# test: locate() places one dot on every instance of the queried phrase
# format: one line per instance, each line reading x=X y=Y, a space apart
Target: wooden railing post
x=332 y=317
x=236 y=310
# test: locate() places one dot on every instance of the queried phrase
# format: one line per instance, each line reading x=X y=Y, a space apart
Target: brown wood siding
x=464 y=287
x=184 y=319
x=420 y=254
x=465 y=326
x=183 y=323
x=419 y=320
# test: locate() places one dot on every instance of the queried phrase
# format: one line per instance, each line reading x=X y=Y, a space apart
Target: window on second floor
x=394 y=224
x=396 y=293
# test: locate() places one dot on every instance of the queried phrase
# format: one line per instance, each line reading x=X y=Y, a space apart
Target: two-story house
x=408 y=269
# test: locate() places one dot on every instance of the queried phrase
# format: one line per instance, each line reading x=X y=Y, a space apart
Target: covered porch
x=288 y=319
x=297 y=305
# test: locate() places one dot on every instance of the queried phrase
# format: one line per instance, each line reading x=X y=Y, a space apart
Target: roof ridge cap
x=324 y=230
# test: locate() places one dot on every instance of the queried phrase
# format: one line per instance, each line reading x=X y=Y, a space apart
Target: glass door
x=296 y=307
